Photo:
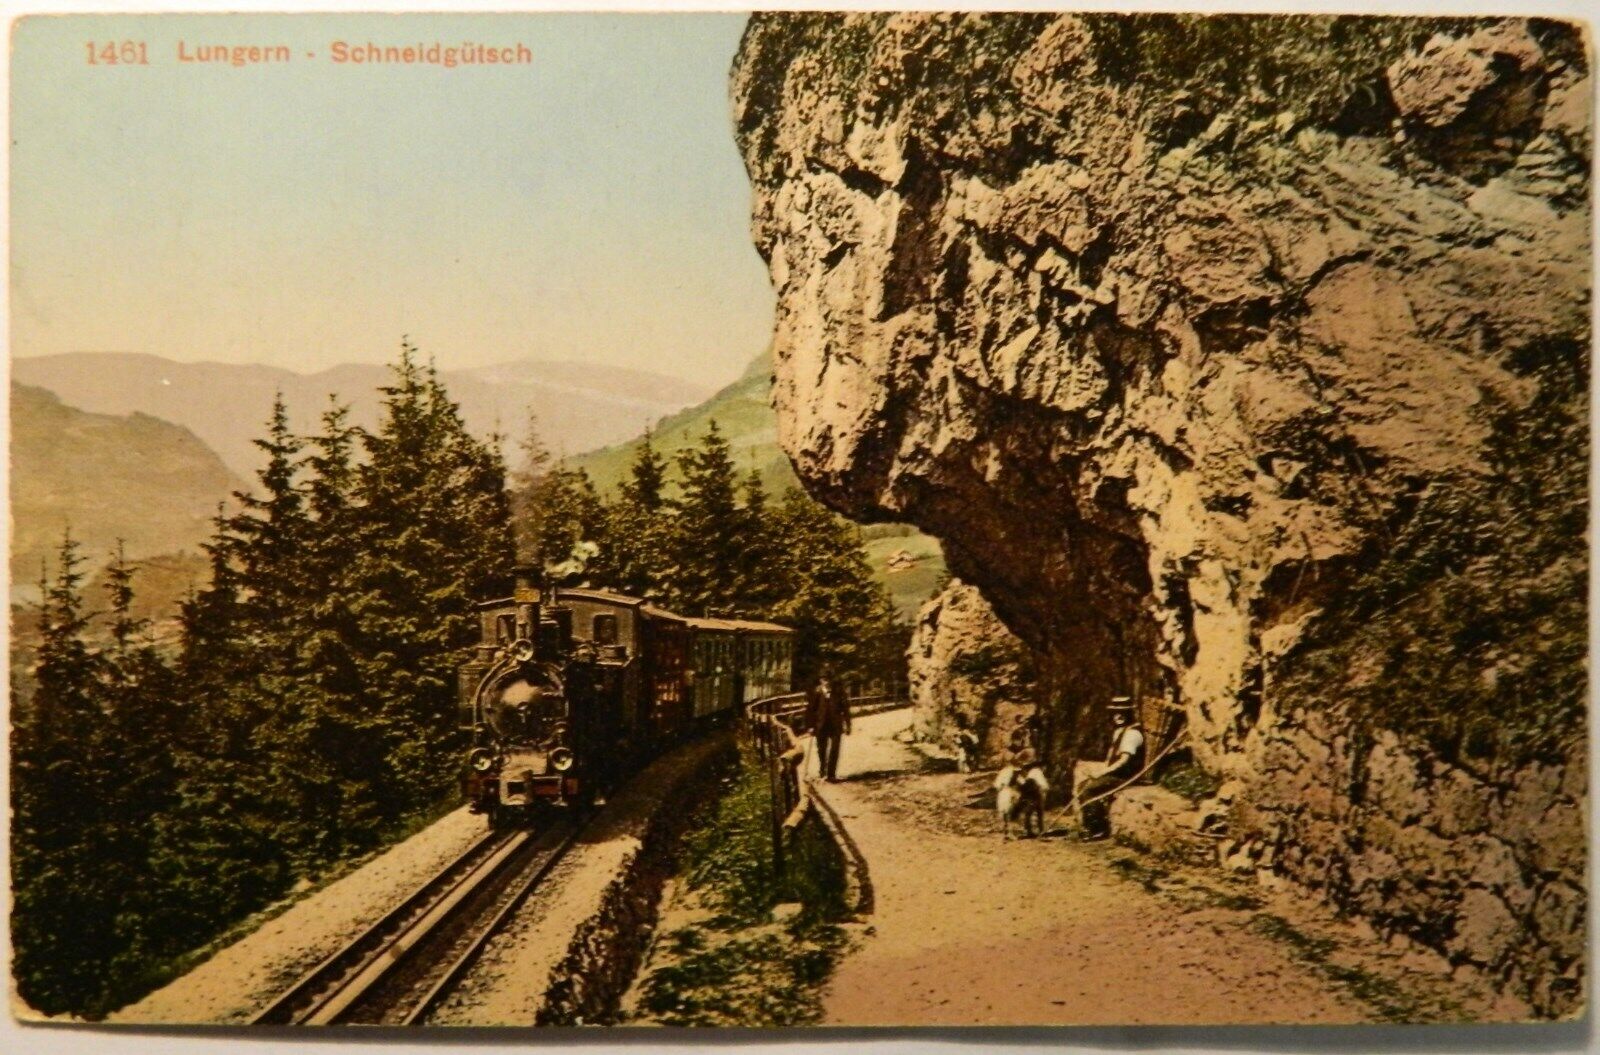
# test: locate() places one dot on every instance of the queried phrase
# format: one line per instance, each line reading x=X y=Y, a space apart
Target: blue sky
x=590 y=205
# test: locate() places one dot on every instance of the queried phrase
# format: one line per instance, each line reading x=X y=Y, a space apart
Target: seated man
x=1123 y=762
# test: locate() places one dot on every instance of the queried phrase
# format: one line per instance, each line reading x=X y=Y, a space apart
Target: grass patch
x=766 y=979
x=743 y=965
x=1190 y=781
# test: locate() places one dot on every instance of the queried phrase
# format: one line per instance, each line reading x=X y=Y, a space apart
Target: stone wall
x=1490 y=873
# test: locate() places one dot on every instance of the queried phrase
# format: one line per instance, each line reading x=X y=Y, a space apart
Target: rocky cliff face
x=1184 y=335
x=974 y=693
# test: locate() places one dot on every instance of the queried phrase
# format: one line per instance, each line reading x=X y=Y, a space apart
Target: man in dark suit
x=828 y=718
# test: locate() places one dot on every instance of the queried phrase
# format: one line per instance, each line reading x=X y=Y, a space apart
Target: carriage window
x=505 y=629
x=605 y=629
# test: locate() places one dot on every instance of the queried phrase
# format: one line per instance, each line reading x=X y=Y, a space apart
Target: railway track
x=399 y=969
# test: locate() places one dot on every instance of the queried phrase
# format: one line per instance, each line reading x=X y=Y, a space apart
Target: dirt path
x=968 y=929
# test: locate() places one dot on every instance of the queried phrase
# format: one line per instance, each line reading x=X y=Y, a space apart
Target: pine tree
x=841 y=614
x=64 y=930
x=143 y=718
x=434 y=538
x=531 y=471
x=217 y=855
x=704 y=543
x=636 y=526
x=762 y=583
x=209 y=617
x=571 y=515
x=241 y=682
x=332 y=741
x=271 y=531
x=645 y=486
x=536 y=459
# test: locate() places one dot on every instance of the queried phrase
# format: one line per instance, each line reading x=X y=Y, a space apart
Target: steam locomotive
x=568 y=690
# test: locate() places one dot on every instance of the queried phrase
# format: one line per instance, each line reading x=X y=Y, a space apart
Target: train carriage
x=766 y=660
x=738 y=661
x=568 y=690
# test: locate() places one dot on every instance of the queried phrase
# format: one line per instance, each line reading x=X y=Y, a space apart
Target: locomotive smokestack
x=526 y=580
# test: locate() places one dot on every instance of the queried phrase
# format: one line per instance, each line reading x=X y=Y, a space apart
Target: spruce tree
x=705 y=541
x=433 y=537
x=763 y=581
x=143 y=719
x=531 y=470
x=230 y=847
x=839 y=611
x=645 y=487
x=64 y=927
x=332 y=740
x=636 y=526
x=570 y=514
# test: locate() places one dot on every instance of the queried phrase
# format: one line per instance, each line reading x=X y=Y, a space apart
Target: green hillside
x=740 y=411
x=145 y=481
x=909 y=563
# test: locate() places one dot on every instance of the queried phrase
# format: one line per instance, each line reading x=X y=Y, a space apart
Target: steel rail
x=534 y=875
x=336 y=1005
x=290 y=1007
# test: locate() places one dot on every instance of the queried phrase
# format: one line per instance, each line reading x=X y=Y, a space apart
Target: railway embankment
x=246 y=975
x=568 y=955
x=564 y=957
x=739 y=942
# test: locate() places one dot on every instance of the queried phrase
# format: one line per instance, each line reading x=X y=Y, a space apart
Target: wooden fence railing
x=777 y=725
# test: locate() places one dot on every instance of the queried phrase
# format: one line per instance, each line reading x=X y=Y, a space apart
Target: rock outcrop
x=1173 y=330
x=974 y=692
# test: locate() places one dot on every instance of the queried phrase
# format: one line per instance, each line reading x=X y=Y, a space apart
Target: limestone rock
x=1157 y=820
x=970 y=688
x=1145 y=371
x=1163 y=349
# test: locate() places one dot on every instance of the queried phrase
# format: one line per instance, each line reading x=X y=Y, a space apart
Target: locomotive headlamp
x=561 y=759
x=481 y=759
x=521 y=650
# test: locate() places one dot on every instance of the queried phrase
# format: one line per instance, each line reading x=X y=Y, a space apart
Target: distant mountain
x=580 y=406
x=909 y=563
x=149 y=482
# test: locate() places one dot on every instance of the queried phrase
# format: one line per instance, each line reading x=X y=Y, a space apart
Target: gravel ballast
x=230 y=986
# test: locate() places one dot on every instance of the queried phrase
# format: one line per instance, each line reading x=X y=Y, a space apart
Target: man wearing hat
x=1124 y=761
x=828 y=718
